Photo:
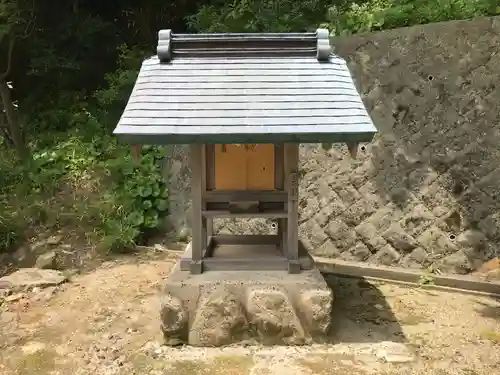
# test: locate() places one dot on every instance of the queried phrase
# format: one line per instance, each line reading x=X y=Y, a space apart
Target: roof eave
x=168 y=139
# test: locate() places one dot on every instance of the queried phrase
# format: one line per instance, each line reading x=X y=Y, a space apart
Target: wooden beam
x=196 y=163
x=457 y=283
x=353 y=149
x=257 y=262
x=245 y=196
x=292 y=186
x=231 y=215
x=279 y=178
x=209 y=184
x=210 y=166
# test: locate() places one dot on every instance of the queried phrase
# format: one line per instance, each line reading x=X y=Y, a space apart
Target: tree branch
x=30 y=25
x=10 y=51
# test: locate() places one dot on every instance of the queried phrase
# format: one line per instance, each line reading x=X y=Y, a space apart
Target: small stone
x=47 y=260
x=45 y=294
x=33 y=347
x=54 y=240
x=5 y=285
x=393 y=352
x=33 y=277
x=15 y=297
x=159 y=247
x=37 y=245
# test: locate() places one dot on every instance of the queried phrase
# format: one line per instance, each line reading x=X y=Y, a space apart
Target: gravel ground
x=106 y=322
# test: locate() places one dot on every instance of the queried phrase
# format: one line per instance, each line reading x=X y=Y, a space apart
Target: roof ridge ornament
x=323 y=48
x=311 y=44
x=164 y=50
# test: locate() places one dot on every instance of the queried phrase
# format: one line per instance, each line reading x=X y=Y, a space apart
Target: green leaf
x=145 y=191
x=135 y=218
x=151 y=219
x=147 y=204
x=161 y=204
x=156 y=190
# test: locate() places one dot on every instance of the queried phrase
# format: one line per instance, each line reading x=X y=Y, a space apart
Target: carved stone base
x=224 y=307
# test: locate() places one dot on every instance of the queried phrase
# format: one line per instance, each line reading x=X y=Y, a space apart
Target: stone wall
x=426 y=192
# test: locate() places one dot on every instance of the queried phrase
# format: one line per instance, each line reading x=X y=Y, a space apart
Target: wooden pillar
x=292 y=187
x=197 y=243
x=279 y=152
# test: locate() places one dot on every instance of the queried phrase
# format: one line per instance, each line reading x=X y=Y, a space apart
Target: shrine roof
x=244 y=88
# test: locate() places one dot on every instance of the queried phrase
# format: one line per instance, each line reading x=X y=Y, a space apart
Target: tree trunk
x=13 y=123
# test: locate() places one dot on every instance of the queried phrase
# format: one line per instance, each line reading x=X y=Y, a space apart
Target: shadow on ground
x=360 y=313
x=490 y=310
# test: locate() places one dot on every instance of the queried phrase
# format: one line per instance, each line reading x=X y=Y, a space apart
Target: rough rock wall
x=427 y=190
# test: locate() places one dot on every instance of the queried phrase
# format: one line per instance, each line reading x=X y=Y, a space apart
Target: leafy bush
x=137 y=198
x=112 y=99
x=259 y=16
x=11 y=229
x=82 y=177
x=375 y=15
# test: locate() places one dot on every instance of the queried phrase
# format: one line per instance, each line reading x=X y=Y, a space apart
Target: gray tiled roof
x=231 y=98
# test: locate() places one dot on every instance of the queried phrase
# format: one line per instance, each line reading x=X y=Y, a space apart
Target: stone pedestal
x=218 y=308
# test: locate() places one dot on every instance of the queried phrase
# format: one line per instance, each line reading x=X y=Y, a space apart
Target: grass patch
x=491 y=336
x=223 y=365
x=41 y=362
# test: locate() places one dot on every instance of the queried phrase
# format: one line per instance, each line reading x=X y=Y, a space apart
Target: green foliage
x=138 y=198
x=11 y=232
x=82 y=176
x=258 y=16
x=71 y=84
x=111 y=99
x=373 y=15
x=71 y=158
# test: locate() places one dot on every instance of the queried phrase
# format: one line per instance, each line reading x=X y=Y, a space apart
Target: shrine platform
x=273 y=307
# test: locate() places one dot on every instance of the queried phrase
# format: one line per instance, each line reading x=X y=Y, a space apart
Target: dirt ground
x=107 y=322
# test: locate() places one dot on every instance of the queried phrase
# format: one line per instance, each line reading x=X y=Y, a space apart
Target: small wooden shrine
x=244 y=103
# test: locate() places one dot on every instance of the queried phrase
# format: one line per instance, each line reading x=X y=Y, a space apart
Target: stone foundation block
x=273 y=318
x=219 y=308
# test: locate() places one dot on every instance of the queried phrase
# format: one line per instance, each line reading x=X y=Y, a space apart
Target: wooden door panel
x=240 y=167
x=260 y=167
x=230 y=167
